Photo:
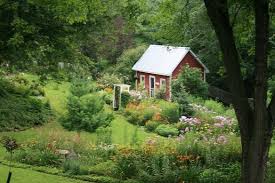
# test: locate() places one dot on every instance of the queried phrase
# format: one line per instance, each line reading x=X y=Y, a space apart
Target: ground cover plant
x=23 y=104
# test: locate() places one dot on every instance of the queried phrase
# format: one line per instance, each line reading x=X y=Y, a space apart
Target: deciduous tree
x=256 y=119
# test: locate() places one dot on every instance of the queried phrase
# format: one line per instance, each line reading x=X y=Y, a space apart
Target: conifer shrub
x=125 y=99
x=86 y=113
x=191 y=80
x=170 y=111
x=166 y=130
x=152 y=125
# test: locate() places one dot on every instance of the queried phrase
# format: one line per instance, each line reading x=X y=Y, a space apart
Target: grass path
x=29 y=176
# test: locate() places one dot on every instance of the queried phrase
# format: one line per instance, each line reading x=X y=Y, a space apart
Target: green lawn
x=57 y=93
x=29 y=176
x=122 y=131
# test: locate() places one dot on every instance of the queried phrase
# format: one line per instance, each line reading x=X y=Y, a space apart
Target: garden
x=192 y=139
x=62 y=61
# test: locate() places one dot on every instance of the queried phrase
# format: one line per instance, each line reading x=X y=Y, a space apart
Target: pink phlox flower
x=190 y=121
x=223 y=120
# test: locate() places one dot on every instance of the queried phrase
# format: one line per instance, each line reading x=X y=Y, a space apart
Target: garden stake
x=10 y=173
x=10 y=145
x=9 y=177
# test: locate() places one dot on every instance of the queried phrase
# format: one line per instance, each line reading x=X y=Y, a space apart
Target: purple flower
x=219 y=125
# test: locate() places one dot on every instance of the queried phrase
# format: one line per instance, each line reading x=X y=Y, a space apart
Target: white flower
x=221 y=140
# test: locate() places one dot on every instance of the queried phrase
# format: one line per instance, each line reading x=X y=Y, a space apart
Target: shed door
x=152 y=86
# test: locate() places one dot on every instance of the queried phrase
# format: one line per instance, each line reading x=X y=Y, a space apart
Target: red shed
x=160 y=64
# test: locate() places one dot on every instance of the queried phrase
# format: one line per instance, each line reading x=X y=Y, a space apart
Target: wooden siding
x=158 y=77
x=189 y=59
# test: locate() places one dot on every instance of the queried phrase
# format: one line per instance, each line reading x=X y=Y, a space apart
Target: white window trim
x=150 y=85
x=140 y=79
x=162 y=79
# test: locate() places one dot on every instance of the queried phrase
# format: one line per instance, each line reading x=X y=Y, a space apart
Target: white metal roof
x=163 y=60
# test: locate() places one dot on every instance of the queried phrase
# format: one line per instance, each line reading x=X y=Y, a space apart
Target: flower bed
x=162 y=117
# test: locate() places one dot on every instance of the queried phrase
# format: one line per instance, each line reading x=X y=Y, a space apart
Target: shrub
x=148 y=114
x=37 y=156
x=190 y=146
x=155 y=167
x=170 y=111
x=227 y=174
x=166 y=130
x=104 y=135
x=161 y=93
x=86 y=113
x=226 y=152
x=106 y=96
x=135 y=117
x=108 y=81
x=125 y=98
x=271 y=169
x=20 y=111
x=215 y=106
x=191 y=80
x=211 y=176
x=24 y=87
x=159 y=169
x=213 y=151
x=36 y=89
x=82 y=87
x=230 y=112
x=126 y=61
x=180 y=96
x=127 y=163
x=74 y=167
x=103 y=152
x=191 y=173
x=152 y=125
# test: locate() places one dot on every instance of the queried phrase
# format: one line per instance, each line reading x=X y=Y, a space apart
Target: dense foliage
x=86 y=110
x=191 y=81
x=20 y=108
x=92 y=36
x=126 y=61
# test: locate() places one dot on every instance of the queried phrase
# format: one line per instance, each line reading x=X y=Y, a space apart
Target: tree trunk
x=256 y=122
x=261 y=132
x=254 y=158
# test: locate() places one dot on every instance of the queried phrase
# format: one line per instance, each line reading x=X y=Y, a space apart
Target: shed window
x=163 y=83
x=142 y=80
